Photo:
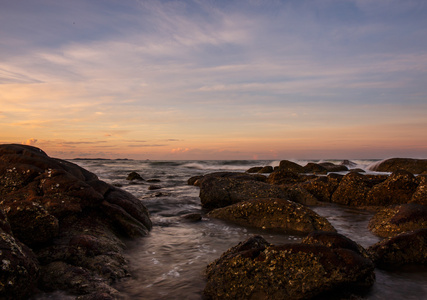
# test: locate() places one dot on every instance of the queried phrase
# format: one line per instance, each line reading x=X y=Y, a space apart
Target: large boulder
x=414 y=166
x=277 y=214
x=354 y=188
x=405 y=248
x=398 y=188
x=286 y=165
x=255 y=269
x=218 y=192
x=19 y=266
x=69 y=218
x=395 y=219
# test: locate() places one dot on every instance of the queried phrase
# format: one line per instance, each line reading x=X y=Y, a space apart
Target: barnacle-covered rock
x=255 y=269
x=273 y=213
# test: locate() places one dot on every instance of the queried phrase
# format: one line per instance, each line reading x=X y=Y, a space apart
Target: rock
x=266 y=169
x=255 y=269
x=153 y=180
x=134 y=176
x=74 y=222
x=393 y=220
x=194 y=179
x=414 y=166
x=153 y=187
x=254 y=170
x=397 y=189
x=282 y=176
x=315 y=169
x=18 y=264
x=278 y=214
x=331 y=167
x=334 y=240
x=348 y=163
x=300 y=195
x=354 y=188
x=322 y=187
x=194 y=217
x=286 y=165
x=218 y=192
x=405 y=248
x=420 y=194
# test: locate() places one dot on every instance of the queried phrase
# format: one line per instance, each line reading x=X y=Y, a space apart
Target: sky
x=254 y=79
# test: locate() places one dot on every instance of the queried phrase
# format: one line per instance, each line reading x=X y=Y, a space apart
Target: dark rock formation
x=283 y=176
x=331 y=167
x=397 y=189
x=354 y=188
x=254 y=170
x=322 y=187
x=405 y=248
x=134 y=176
x=18 y=264
x=393 y=220
x=414 y=166
x=254 y=269
x=73 y=221
x=266 y=169
x=420 y=194
x=315 y=168
x=218 y=192
x=286 y=165
x=277 y=214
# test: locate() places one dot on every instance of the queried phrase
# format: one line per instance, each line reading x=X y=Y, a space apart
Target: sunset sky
x=254 y=79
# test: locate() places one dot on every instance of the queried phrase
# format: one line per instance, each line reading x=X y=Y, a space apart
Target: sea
x=170 y=262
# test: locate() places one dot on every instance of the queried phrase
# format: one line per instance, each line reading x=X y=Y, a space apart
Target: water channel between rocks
x=169 y=263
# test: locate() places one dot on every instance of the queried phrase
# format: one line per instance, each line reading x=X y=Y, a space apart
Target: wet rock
x=282 y=176
x=331 y=167
x=153 y=187
x=194 y=217
x=278 y=214
x=254 y=170
x=315 y=168
x=393 y=220
x=286 y=165
x=397 y=189
x=420 y=194
x=194 y=179
x=300 y=195
x=354 y=188
x=266 y=169
x=218 y=192
x=348 y=163
x=254 y=269
x=18 y=264
x=334 y=240
x=74 y=222
x=405 y=248
x=134 y=176
x=322 y=187
x=414 y=166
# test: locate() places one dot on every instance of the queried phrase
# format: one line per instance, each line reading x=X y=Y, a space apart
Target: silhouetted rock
x=134 y=176
x=286 y=165
x=73 y=221
x=255 y=269
x=331 y=167
x=405 y=248
x=414 y=166
x=277 y=214
x=393 y=220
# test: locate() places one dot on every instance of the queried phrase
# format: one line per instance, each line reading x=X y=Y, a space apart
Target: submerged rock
x=74 y=222
x=405 y=248
x=277 y=214
x=255 y=269
x=393 y=220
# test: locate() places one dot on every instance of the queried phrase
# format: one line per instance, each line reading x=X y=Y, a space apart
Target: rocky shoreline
x=63 y=229
x=325 y=263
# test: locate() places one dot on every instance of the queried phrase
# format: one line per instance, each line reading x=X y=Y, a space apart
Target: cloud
x=30 y=142
x=179 y=150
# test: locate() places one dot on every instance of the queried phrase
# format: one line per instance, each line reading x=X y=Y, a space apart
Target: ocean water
x=169 y=263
